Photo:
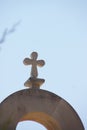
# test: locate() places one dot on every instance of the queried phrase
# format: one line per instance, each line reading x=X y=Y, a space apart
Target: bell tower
x=38 y=105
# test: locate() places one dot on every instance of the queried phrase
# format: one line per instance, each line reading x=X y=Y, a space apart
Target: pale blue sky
x=57 y=30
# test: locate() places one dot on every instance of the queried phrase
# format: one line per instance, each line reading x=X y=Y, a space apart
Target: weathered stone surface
x=41 y=106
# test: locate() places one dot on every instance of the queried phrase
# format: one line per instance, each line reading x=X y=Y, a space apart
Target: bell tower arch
x=38 y=105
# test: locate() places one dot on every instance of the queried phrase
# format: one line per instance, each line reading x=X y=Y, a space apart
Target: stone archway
x=41 y=106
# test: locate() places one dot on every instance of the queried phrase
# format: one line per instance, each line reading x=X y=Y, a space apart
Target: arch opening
x=44 y=119
x=30 y=125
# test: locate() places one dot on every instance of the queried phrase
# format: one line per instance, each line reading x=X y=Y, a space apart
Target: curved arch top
x=41 y=106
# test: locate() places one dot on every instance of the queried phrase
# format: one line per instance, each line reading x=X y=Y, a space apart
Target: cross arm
x=40 y=63
x=27 y=61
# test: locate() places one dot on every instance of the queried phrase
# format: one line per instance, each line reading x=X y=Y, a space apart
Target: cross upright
x=34 y=63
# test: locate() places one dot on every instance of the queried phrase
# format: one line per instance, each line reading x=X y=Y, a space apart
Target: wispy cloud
x=9 y=31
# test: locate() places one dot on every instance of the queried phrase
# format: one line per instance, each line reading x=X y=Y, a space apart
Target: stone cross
x=34 y=63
